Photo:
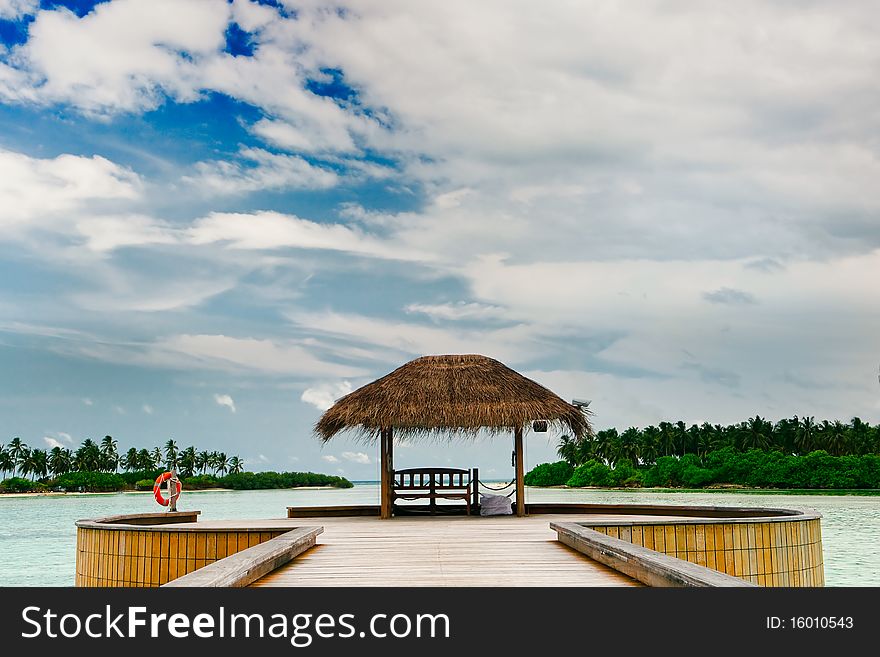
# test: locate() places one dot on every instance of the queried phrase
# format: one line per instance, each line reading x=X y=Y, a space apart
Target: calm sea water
x=38 y=537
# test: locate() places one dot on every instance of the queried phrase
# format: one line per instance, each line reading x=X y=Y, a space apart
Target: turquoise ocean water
x=38 y=537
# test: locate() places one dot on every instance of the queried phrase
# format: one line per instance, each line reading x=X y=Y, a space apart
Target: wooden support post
x=390 y=448
x=385 y=479
x=520 y=483
x=475 y=482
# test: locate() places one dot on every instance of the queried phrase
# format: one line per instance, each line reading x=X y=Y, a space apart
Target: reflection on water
x=38 y=537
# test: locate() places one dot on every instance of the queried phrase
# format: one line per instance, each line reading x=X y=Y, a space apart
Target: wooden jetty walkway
x=442 y=551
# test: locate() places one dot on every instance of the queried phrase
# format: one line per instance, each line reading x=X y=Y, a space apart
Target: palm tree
x=605 y=441
x=650 y=444
x=667 y=439
x=155 y=458
x=221 y=463
x=187 y=461
x=805 y=440
x=627 y=447
x=60 y=461
x=6 y=462
x=130 y=460
x=236 y=465
x=835 y=437
x=171 y=454
x=567 y=449
x=16 y=450
x=109 y=455
x=36 y=464
x=756 y=433
x=88 y=456
x=203 y=461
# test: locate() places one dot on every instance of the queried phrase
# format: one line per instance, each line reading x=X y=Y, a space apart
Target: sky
x=218 y=217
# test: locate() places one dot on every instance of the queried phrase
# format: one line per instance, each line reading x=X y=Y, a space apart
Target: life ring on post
x=157 y=488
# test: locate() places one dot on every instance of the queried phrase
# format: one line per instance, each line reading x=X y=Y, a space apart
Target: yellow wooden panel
x=660 y=538
x=636 y=535
x=680 y=541
x=670 y=546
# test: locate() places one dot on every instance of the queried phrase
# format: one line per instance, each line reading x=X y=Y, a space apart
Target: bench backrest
x=431 y=479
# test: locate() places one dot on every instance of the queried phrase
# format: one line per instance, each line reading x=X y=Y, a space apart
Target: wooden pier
x=442 y=551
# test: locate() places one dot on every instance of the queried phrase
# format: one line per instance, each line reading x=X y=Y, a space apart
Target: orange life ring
x=157 y=488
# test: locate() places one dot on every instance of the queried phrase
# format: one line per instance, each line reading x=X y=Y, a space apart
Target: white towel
x=495 y=505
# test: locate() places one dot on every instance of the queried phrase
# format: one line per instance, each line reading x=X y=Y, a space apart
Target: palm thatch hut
x=451 y=395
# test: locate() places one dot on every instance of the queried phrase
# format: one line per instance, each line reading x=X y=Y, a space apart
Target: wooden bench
x=435 y=483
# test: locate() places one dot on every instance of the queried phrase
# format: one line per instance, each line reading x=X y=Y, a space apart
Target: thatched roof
x=457 y=394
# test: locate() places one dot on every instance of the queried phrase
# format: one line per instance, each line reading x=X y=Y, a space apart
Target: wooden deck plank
x=442 y=551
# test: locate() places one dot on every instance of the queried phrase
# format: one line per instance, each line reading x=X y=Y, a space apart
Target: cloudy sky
x=217 y=217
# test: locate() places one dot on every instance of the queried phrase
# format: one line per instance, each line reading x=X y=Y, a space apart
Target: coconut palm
x=6 y=462
x=155 y=458
x=16 y=450
x=130 y=460
x=88 y=457
x=203 y=461
x=236 y=465
x=60 y=461
x=109 y=454
x=36 y=464
x=145 y=460
x=187 y=461
x=568 y=449
x=667 y=439
x=221 y=463
x=171 y=454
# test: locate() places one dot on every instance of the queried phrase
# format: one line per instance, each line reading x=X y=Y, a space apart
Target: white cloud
x=456 y=311
x=124 y=55
x=356 y=457
x=267 y=171
x=12 y=9
x=271 y=230
x=119 y=409
x=49 y=189
x=87 y=401
x=324 y=395
x=107 y=233
x=330 y=458
x=512 y=344
x=60 y=439
x=146 y=408
x=225 y=400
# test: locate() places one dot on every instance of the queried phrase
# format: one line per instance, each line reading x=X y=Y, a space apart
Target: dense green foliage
x=20 y=485
x=754 y=468
x=793 y=436
x=93 y=467
x=549 y=474
x=262 y=480
x=19 y=459
x=94 y=482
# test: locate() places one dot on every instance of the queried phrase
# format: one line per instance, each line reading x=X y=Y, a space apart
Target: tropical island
x=793 y=453
x=95 y=467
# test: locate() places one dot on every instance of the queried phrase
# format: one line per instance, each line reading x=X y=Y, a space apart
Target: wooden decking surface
x=442 y=551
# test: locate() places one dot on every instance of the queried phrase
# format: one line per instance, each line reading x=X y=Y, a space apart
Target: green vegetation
x=262 y=480
x=549 y=474
x=796 y=436
x=793 y=453
x=19 y=485
x=95 y=467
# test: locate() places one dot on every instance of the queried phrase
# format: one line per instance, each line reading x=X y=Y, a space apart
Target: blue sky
x=217 y=217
